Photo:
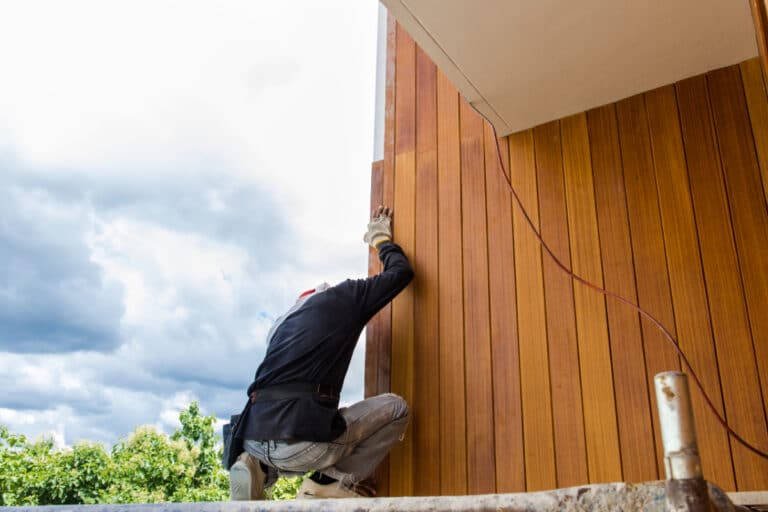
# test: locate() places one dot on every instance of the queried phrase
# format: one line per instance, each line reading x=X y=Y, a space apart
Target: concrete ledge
x=753 y=498
x=645 y=497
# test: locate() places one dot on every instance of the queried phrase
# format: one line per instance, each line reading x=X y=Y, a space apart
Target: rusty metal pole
x=686 y=488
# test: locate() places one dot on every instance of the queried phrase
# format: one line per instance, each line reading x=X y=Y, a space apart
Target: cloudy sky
x=172 y=175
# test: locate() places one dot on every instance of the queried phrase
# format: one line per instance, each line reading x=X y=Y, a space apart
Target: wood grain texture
x=388 y=199
x=383 y=322
x=477 y=336
x=603 y=457
x=757 y=103
x=760 y=19
x=540 y=472
x=401 y=456
x=568 y=417
x=373 y=329
x=388 y=195
x=425 y=415
x=736 y=352
x=627 y=355
x=453 y=446
x=686 y=278
x=652 y=279
x=517 y=378
x=507 y=406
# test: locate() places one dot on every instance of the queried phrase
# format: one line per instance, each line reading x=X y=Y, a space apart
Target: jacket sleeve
x=373 y=293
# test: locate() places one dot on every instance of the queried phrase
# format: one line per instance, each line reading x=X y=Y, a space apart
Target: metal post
x=686 y=488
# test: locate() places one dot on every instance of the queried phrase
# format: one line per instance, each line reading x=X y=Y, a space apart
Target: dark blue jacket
x=314 y=344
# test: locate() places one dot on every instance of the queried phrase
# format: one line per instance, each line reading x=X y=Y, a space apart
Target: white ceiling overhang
x=525 y=62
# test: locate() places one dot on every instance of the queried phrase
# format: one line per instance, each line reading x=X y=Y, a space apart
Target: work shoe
x=246 y=479
x=311 y=490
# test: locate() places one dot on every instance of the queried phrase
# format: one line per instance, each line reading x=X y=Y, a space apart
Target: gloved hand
x=380 y=227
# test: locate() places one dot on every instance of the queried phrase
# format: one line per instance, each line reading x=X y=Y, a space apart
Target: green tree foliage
x=145 y=467
x=285 y=488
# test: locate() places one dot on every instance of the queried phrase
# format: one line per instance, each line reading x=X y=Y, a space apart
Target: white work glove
x=380 y=227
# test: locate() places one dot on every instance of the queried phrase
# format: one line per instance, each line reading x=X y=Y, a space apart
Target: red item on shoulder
x=308 y=292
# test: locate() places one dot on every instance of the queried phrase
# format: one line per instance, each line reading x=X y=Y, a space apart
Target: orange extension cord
x=619 y=298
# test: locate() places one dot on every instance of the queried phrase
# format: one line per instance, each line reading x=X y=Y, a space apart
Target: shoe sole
x=239 y=482
x=309 y=496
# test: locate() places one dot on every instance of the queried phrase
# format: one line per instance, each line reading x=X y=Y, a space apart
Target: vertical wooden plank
x=401 y=456
x=736 y=353
x=648 y=252
x=632 y=400
x=568 y=416
x=426 y=409
x=384 y=317
x=453 y=448
x=373 y=329
x=534 y=358
x=507 y=408
x=477 y=337
x=602 y=438
x=760 y=18
x=388 y=193
x=757 y=102
x=686 y=278
x=390 y=125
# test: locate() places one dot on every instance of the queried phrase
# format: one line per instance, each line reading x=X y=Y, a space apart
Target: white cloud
x=174 y=173
x=51 y=424
x=169 y=261
x=171 y=407
x=49 y=278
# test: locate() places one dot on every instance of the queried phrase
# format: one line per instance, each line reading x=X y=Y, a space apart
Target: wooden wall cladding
x=520 y=379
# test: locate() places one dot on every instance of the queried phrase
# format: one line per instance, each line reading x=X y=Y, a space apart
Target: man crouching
x=292 y=423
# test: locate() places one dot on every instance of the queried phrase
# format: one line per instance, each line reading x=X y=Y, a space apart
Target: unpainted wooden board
x=401 y=457
x=388 y=196
x=652 y=278
x=538 y=441
x=373 y=329
x=600 y=429
x=388 y=199
x=757 y=102
x=452 y=398
x=570 y=447
x=507 y=408
x=633 y=406
x=481 y=479
x=426 y=410
x=760 y=19
x=384 y=317
x=686 y=278
x=736 y=352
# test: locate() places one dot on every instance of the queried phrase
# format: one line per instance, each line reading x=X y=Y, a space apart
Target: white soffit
x=526 y=62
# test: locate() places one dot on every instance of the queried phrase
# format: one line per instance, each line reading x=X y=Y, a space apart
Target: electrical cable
x=615 y=296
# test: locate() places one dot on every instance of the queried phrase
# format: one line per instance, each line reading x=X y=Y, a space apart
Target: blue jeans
x=373 y=426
